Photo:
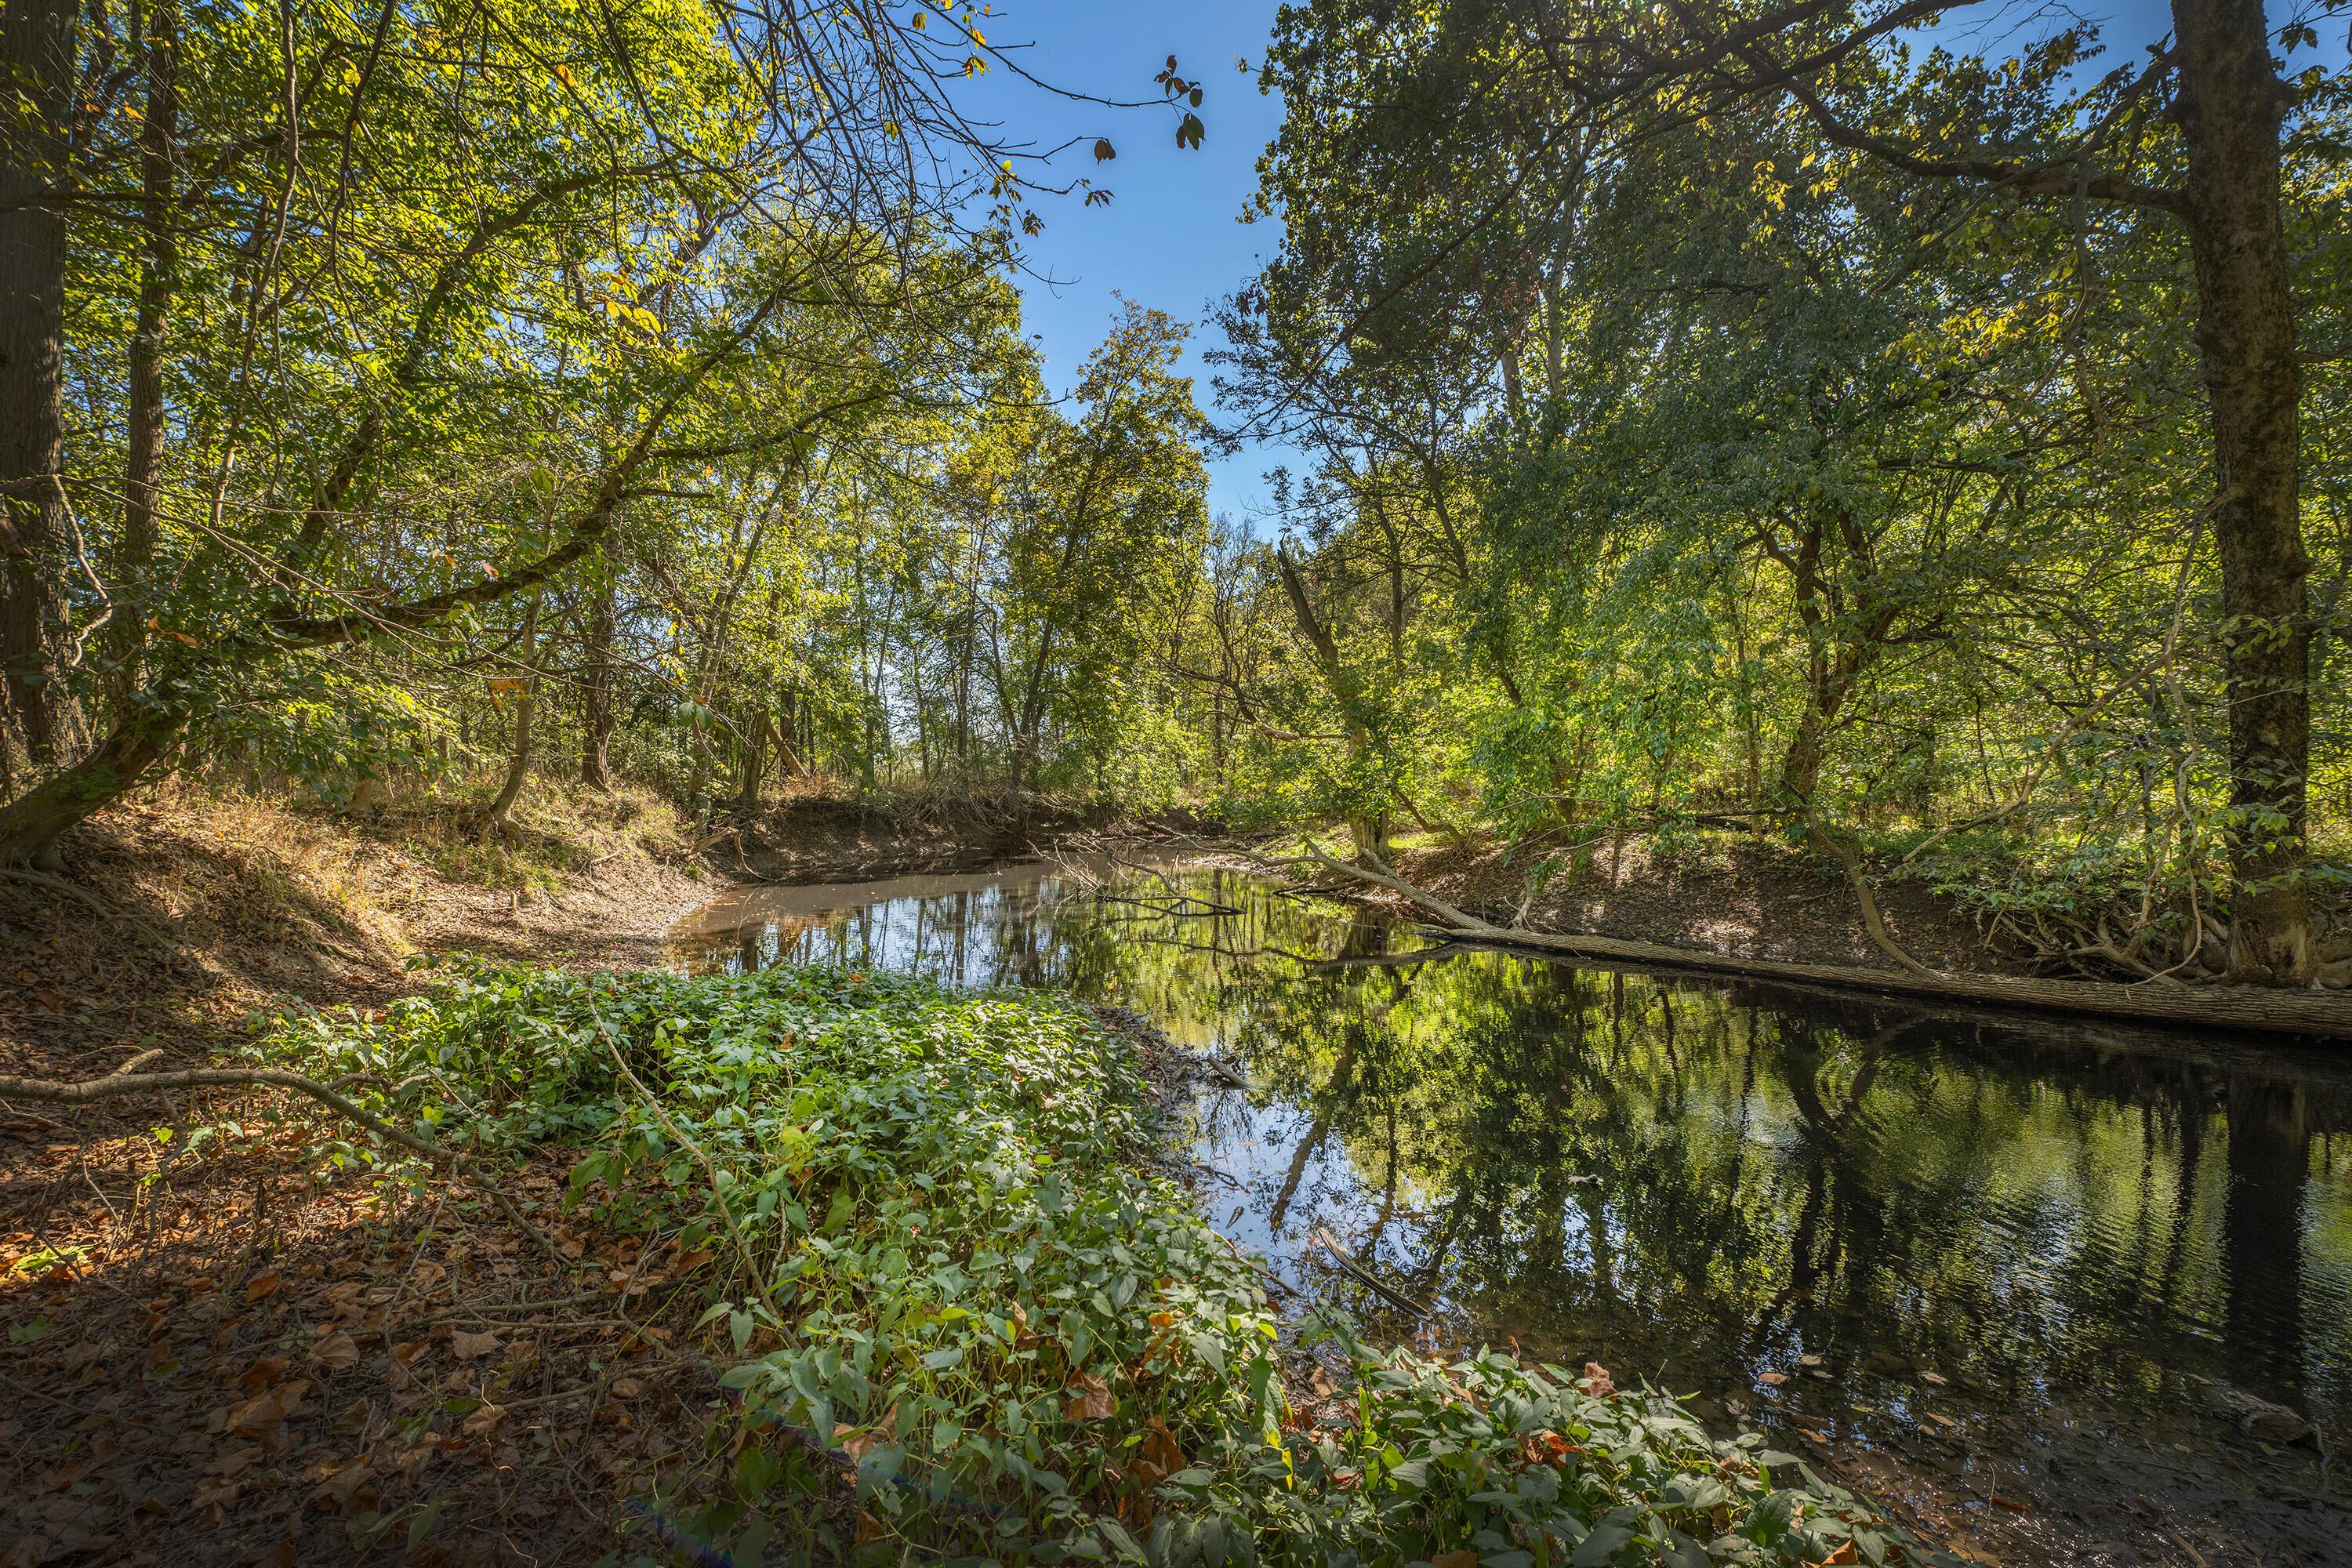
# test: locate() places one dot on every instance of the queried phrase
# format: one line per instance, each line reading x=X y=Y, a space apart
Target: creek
x=2016 y=1275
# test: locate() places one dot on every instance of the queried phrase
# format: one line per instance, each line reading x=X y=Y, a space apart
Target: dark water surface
x=1976 y=1258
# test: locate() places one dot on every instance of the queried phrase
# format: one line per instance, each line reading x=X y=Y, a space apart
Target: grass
x=953 y=1313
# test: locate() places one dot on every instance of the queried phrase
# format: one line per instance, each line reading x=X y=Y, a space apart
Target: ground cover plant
x=954 y=1311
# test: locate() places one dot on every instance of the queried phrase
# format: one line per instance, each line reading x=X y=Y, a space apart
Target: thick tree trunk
x=596 y=689
x=37 y=54
x=2230 y=109
x=30 y=824
x=143 y=473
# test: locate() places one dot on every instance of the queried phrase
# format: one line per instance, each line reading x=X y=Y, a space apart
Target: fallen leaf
x=336 y=1352
x=62 y=1476
x=869 y=1529
x=1932 y=1377
x=1808 y=1361
x=2011 y=1503
x=1844 y=1553
x=262 y=1285
x=262 y=1373
x=473 y=1347
x=1090 y=1399
x=1772 y=1379
x=345 y=1485
x=484 y=1419
x=229 y=1461
x=627 y=1388
x=1320 y=1384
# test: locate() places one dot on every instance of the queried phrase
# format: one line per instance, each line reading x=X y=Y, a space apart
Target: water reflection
x=1886 y=1209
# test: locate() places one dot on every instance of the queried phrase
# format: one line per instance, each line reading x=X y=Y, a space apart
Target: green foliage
x=937 y=1253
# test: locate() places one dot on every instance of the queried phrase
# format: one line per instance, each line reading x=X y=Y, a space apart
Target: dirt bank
x=1733 y=895
x=831 y=837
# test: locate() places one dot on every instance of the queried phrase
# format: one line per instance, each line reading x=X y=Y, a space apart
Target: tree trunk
x=36 y=53
x=755 y=762
x=519 y=764
x=2230 y=112
x=30 y=824
x=158 y=277
x=596 y=687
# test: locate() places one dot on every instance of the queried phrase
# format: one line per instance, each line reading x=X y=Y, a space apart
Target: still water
x=1963 y=1246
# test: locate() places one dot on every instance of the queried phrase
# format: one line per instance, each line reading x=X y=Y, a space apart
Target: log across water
x=2312 y=1015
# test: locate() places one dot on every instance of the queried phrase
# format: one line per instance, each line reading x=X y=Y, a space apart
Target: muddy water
x=2012 y=1274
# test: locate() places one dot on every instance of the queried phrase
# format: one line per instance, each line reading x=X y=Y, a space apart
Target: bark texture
x=37 y=54
x=2230 y=109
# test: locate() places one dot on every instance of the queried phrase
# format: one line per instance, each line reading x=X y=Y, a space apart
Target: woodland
x=1895 y=444
x=1758 y=419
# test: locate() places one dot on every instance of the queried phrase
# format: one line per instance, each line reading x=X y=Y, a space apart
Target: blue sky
x=1171 y=239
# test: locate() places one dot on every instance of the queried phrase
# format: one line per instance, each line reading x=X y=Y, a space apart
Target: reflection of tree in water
x=1695 y=1176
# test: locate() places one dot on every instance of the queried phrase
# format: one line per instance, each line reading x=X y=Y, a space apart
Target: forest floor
x=234 y=1363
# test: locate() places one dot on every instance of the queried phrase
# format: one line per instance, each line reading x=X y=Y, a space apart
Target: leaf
x=262 y=1373
x=262 y=1285
x=1600 y=1546
x=1190 y=132
x=1104 y=150
x=473 y=1347
x=1463 y=1559
x=1090 y=1399
x=1772 y=1379
x=336 y=1352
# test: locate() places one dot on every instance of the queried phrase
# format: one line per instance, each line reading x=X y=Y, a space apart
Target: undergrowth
x=954 y=1317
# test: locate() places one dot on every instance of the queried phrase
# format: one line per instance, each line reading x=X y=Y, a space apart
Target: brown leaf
x=62 y=1476
x=1596 y=1380
x=256 y=1418
x=473 y=1347
x=1320 y=1384
x=1808 y=1361
x=1844 y=1555
x=1089 y=1399
x=627 y=1388
x=869 y=1529
x=342 y=1484
x=231 y=1460
x=262 y=1285
x=262 y=1373
x=1772 y=1379
x=336 y=1350
x=484 y=1419
x=1936 y=1378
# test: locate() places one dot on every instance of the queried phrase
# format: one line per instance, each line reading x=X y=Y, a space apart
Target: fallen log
x=2312 y=1015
